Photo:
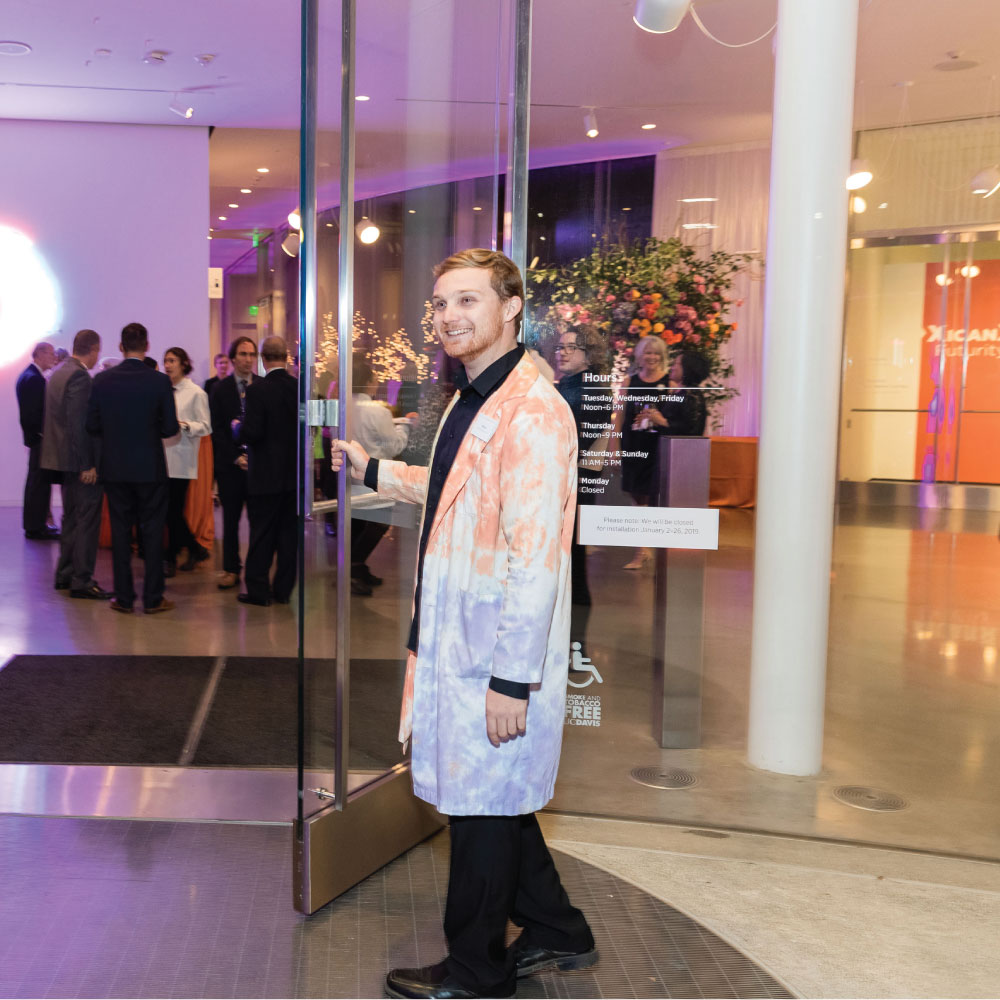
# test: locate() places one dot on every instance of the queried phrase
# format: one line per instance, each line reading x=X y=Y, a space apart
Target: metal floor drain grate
x=663 y=777
x=872 y=799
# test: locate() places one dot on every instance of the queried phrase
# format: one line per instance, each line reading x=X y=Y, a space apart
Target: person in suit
x=269 y=430
x=485 y=690
x=227 y=403
x=221 y=363
x=132 y=410
x=31 y=406
x=68 y=449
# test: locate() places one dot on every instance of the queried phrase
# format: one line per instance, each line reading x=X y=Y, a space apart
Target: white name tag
x=484 y=427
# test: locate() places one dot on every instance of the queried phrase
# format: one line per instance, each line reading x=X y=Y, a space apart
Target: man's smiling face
x=469 y=316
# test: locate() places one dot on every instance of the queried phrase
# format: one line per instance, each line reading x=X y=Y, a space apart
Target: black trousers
x=273 y=522
x=144 y=504
x=81 y=527
x=232 y=482
x=365 y=535
x=500 y=870
x=37 y=492
x=178 y=533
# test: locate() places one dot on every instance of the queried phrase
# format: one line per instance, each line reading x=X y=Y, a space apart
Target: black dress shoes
x=43 y=535
x=360 y=571
x=60 y=585
x=169 y=568
x=430 y=982
x=92 y=593
x=247 y=599
x=196 y=555
x=531 y=959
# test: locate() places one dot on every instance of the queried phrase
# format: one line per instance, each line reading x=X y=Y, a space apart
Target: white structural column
x=803 y=318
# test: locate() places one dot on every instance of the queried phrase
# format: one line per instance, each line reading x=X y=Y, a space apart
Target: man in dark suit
x=31 y=405
x=68 y=449
x=132 y=410
x=227 y=403
x=270 y=430
x=221 y=362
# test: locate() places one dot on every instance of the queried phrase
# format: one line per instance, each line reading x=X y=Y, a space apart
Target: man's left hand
x=506 y=717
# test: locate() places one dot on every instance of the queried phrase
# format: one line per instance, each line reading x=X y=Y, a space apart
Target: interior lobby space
x=759 y=242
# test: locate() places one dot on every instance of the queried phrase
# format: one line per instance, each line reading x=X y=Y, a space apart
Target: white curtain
x=737 y=177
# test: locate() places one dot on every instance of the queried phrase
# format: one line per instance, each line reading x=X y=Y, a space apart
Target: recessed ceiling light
x=222 y=218
x=14 y=48
x=245 y=191
x=205 y=59
x=155 y=57
x=477 y=208
x=541 y=216
x=233 y=204
x=626 y=209
x=263 y=170
x=329 y=225
x=102 y=53
x=413 y=211
x=361 y=97
x=691 y=201
x=649 y=125
x=699 y=225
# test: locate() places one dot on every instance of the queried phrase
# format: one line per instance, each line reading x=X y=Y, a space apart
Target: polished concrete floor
x=775 y=865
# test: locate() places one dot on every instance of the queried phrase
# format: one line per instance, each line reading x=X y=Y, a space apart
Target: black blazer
x=270 y=432
x=31 y=404
x=132 y=410
x=224 y=403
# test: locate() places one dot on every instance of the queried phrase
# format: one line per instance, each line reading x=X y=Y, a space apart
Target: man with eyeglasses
x=228 y=406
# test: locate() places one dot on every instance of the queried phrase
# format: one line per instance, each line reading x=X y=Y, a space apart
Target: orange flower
x=645 y=326
x=658 y=328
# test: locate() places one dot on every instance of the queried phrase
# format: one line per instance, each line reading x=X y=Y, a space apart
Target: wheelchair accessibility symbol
x=580 y=664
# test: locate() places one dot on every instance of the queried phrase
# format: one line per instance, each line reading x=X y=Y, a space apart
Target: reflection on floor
x=94 y=908
x=913 y=702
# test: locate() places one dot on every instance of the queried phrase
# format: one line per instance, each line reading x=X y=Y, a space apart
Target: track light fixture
x=590 y=124
x=290 y=244
x=660 y=16
x=860 y=175
x=295 y=219
x=986 y=182
x=180 y=107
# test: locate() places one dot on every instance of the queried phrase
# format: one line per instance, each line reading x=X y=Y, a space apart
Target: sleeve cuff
x=371 y=474
x=513 y=689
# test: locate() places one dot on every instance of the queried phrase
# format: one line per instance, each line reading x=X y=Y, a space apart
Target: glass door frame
x=359 y=831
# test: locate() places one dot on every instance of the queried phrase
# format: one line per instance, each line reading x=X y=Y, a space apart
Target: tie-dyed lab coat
x=495 y=600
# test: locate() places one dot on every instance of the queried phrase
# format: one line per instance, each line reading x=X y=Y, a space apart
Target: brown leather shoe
x=227 y=581
x=164 y=605
x=116 y=605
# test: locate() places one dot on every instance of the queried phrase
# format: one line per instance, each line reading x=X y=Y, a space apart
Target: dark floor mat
x=99 y=709
x=254 y=723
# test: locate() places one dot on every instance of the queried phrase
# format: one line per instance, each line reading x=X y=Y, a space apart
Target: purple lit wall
x=115 y=216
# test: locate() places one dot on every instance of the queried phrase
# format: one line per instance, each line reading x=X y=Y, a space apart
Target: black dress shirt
x=470 y=401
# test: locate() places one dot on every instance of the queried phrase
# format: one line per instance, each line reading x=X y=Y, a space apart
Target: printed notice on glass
x=651 y=527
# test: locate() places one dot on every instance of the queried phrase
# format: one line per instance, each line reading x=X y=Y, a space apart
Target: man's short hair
x=135 y=337
x=40 y=347
x=505 y=278
x=274 y=349
x=361 y=372
x=216 y=358
x=86 y=341
x=235 y=346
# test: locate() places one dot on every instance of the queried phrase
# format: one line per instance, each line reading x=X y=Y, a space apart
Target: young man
x=31 y=409
x=227 y=403
x=221 y=364
x=132 y=410
x=67 y=448
x=485 y=687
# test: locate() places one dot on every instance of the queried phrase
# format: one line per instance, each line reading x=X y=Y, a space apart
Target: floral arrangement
x=654 y=288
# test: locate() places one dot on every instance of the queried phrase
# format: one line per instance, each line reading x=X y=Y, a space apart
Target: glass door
x=405 y=170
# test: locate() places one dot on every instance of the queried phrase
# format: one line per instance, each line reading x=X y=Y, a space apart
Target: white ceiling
x=430 y=68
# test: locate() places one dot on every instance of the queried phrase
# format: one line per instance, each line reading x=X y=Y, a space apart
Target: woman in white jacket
x=182 y=457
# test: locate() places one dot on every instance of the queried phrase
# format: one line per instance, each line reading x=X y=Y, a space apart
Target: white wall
x=120 y=213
